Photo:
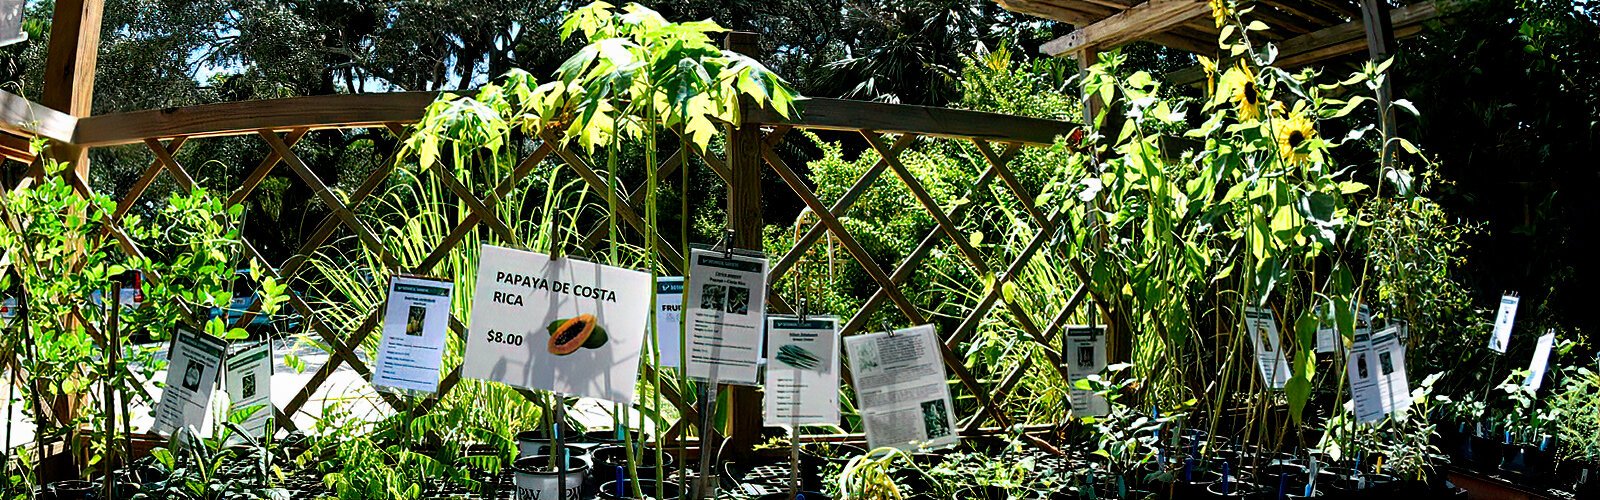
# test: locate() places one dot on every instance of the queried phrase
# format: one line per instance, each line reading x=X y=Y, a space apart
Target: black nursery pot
x=1526 y=459
x=1231 y=487
x=611 y=489
x=611 y=464
x=1486 y=453
x=814 y=458
x=70 y=490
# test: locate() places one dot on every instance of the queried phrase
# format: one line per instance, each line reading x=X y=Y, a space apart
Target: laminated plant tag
x=1502 y=323
x=1270 y=361
x=900 y=385
x=1391 y=361
x=802 y=383
x=416 y=320
x=1377 y=373
x=1328 y=333
x=669 y=314
x=1086 y=355
x=727 y=307
x=249 y=383
x=192 y=370
x=1541 y=360
x=563 y=325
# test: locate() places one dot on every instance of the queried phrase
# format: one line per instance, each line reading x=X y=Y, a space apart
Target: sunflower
x=1247 y=95
x=1293 y=133
x=1220 y=11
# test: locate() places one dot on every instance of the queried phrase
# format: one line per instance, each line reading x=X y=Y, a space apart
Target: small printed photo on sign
x=1361 y=367
x=934 y=419
x=414 y=320
x=1386 y=362
x=249 y=385
x=1086 y=357
x=715 y=298
x=738 y=300
x=191 y=375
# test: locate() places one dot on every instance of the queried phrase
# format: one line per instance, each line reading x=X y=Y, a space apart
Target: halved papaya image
x=583 y=330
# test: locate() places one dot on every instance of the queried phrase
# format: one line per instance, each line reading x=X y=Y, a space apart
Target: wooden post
x=69 y=69
x=1380 y=44
x=744 y=218
x=1092 y=105
x=1119 y=342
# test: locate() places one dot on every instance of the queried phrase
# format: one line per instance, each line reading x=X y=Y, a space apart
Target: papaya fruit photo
x=567 y=335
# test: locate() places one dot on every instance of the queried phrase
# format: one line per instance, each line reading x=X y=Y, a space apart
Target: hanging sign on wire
x=416 y=323
x=802 y=385
x=249 y=384
x=1541 y=360
x=1086 y=355
x=193 y=366
x=900 y=384
x=1377 y=373
x=727 y=302
x=562 y=325
x=1270 y=361
x=1503 y=319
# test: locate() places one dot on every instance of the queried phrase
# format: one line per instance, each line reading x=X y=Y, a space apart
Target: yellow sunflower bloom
x=1293 y=133
x=1247 y=96
x=1220 y=11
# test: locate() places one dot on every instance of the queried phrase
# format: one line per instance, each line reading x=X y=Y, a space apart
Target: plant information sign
x=192 y=369
x=1502 y=323
x=561 y=325
x=1377 y=372
x=900 y=382
x=416 y=322
x=669 y=316
x=1328 y=332
x=802 y=371
x=1541 y=360
x=1270 y=361
x=249 y=383
x=1086 y=355
x=727 y=307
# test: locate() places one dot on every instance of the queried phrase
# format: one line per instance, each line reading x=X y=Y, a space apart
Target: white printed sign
x=249 y=383
x=1377 y=373
x=1541 y=360
x=1503 y=320
x=727 y=308
x=900 y=384
x=192 y=370
x=669 y=316
x=1086 y=355
x=416 y=323
x=802 y=385
x=1328 y=333
x=562 y=325
x=1270 y=360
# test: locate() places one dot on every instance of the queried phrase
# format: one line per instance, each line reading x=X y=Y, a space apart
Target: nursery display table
x=1481 y=486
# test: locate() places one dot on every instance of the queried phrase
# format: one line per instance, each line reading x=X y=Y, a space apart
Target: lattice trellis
x=281 y=124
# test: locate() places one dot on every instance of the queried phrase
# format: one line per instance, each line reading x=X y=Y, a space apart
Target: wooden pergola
x=1305 y=31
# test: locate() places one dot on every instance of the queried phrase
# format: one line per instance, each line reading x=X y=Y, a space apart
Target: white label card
x=1503 y=319
x=416 y=323
x=1270 y=361
x=1541 y=360
x=669 y=314
x=1086 y=355
x=727 y=306
x=563 y=325
x=1377 y=373
x=900 y=384
x=249 y=382
x=192 y=370
x=802 y=385
x=1328 y=331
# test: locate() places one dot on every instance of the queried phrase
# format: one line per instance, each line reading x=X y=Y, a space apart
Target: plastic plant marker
x=1227 y=479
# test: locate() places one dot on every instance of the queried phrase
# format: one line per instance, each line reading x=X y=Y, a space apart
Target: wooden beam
x=74 y=47
x=247 y=117
x=1335 y=41
x=1075 y=13
x=847 y=115
x=27 y=118
x=1136 y=23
